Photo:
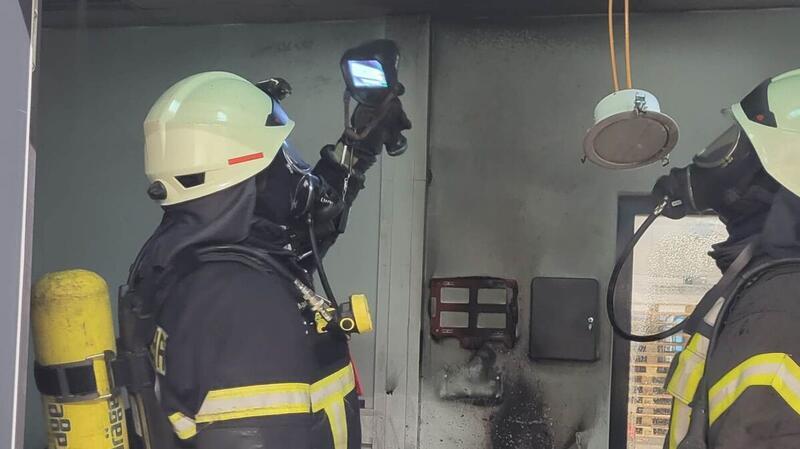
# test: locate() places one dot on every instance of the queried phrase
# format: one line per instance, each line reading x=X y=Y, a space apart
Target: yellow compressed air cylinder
x=72 y=326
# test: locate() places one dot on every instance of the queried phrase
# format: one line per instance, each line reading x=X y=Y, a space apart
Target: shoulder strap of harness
x=133 y=367
x=261 y=260
x=695 y=432
x=720 y=289
x=748 y=279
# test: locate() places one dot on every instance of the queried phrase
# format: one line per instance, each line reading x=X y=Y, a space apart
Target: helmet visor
x=722 y=150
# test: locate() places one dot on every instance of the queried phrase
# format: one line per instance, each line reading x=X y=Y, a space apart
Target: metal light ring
x=670 y=127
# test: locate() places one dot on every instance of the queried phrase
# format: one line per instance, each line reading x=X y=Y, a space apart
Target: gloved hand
x=387 y=132
x=331 y=169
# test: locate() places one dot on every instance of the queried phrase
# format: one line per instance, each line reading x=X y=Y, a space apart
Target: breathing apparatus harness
x=733 y=283
x=137 y=361
x=740 y=275
x=724 y=169
x=730 y=277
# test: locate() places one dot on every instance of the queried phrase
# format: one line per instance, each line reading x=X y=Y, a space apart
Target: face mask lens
x=304 y=195
x=721 y=151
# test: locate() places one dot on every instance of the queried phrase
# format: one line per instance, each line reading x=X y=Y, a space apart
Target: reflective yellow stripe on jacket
x=328 y=394
x=776 y=370
x=275 y=399
x=184 y=427
x=679 y=423
x=691 y=365
x=682 y=385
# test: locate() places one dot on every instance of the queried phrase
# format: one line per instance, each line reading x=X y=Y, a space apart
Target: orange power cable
x=611 y=44
x=628 y=44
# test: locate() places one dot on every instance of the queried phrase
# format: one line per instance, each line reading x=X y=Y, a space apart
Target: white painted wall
x=510 y=103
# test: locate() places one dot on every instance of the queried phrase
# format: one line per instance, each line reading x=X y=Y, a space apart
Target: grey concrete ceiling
x=107 y=13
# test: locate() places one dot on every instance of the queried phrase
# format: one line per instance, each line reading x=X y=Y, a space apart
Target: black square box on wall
x=564 y=319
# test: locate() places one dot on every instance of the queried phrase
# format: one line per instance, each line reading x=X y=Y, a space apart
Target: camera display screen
x=367 y=74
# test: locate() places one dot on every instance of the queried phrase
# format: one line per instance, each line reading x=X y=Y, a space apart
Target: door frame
x=629 y=206
x=19 y=24
x=393 y=422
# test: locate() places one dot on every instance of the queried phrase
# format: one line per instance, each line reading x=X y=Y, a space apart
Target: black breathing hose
x=323 y=277
x=612 y=285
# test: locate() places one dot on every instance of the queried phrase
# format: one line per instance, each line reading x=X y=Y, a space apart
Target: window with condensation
x=669 y=272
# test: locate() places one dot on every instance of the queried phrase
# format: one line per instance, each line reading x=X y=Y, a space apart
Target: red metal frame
x=473 y=337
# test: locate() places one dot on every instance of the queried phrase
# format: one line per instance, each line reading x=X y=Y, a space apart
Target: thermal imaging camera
x=370 y=71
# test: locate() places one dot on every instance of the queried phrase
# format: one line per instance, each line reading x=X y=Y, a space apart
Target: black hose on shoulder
x=323 y=277
x=612 y=286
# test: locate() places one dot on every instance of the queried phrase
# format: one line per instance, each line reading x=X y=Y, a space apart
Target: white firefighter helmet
x=770 y=116
x=209 y=132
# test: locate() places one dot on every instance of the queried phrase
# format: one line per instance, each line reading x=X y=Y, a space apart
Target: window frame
x=628 y=207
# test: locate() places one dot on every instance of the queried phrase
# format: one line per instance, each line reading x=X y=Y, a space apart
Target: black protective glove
x=330 y=168
x=387 y=132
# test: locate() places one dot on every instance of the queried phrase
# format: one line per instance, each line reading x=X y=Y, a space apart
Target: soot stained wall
x=510 y=103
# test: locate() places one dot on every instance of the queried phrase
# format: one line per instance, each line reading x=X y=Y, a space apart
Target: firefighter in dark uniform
x=243 y=359
x=737 y=383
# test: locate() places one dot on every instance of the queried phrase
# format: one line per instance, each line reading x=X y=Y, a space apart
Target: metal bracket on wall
x=474 y=310
x=479 y=381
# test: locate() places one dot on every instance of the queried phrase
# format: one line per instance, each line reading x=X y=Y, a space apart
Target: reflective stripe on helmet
x=245 y=158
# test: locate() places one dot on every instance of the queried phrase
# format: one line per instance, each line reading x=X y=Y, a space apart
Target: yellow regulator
x=73 y=336
x=355 y=316
x=351 y=317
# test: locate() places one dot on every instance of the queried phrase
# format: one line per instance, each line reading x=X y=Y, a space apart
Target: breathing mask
x=726 y=177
